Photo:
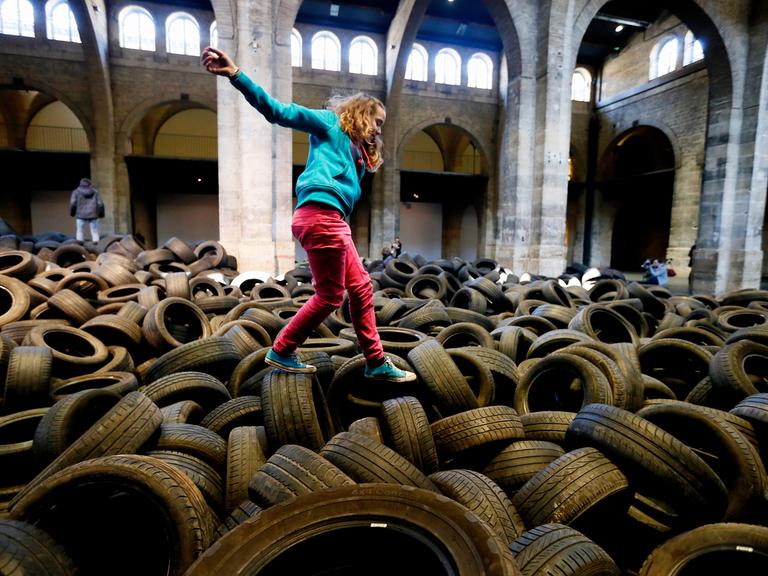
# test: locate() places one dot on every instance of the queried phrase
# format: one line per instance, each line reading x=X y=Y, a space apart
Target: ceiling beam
x=623 y=21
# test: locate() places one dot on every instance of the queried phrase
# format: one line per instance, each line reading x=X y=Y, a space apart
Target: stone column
x=509 y=237
x=684 y=221
x=255 y=156
x=385 y=201
x=91 y=19
x=553 y=125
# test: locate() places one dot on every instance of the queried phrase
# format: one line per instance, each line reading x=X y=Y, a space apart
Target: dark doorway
x=639 y=189
x=152 y=177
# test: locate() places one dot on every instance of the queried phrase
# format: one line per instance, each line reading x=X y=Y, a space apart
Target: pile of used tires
x=552 y=429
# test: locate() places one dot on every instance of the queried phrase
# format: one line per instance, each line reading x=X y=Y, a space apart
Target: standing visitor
x=86 y=205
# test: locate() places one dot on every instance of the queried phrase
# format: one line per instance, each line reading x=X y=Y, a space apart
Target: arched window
x=60 y=22
x=581 y=85
x=214 y=34
x=296 y=47
x=363 y=56
x=183 y=34
x=326 y=51
x=664 y=58
x=417 y=66
x=448 y=67
x=17 y=17
x=480 y=71
x=693 y=50
x=137 y=28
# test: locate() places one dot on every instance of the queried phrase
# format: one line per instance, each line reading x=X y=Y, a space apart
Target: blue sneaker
x=288 y=362
x=389 y=372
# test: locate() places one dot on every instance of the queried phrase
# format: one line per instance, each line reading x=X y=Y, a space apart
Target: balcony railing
x=185 y=146
x=61 y=139
x=57 y=139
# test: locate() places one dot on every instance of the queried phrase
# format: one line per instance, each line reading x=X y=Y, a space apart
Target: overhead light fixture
x=619 y=28
x=334 y=9
x=450 y=1
x=416 y=196
x=461 y=29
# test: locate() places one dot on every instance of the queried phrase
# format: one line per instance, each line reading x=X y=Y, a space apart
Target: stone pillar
x=385 y=204
x=385 y=201
x=603 y=219
x=757 y=120
x=685 y=210
x=553 y=125
x=91 y=18
x=255 y=156
x=712 y=257
x=123 y=197
x=509 y=237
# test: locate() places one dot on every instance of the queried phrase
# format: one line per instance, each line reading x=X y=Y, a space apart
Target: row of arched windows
x=136 y=26
x=665 y=57
x=364 y=56
x=17 y=18
x=136 y=30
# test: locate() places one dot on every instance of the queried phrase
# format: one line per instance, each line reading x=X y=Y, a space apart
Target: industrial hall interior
x=383 y=287
x=540 y=134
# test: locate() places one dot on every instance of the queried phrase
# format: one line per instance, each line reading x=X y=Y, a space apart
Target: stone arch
x=506 y=16
x=720 y=231
x=604 y=161
x=456 y=236
x=140 y=111
x=169 y=177
x=198 y=126
x=635 y=199
x=286 y=17
x=57 y=114
x=33 y=83
x=224 y=14
x=407 y=134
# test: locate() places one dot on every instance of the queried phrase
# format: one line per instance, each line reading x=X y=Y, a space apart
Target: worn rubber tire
x=261 y=543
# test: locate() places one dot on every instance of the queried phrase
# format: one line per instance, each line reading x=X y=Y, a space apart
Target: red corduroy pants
x=335 y=266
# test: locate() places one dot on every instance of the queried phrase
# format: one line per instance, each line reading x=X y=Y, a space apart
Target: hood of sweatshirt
x=85 y=188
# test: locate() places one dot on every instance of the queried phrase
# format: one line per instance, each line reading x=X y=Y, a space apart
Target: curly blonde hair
x=356 y=119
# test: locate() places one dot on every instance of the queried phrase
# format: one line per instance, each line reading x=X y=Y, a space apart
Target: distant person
x=655 y=272
x=396 y=247
x=386 y=254
x=86 y=205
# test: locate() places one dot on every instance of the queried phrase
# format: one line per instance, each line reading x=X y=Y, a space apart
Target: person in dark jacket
x=86 y=205
x=344 y=143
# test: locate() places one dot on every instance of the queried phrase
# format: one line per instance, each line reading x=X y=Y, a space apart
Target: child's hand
x=218 y=62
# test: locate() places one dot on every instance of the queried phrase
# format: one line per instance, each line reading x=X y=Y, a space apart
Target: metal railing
x=57 y=139
x=64 y=139
x=186 y=146
x=433 y=162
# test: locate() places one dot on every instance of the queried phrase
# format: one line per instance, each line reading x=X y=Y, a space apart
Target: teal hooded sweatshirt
x=335 y=165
